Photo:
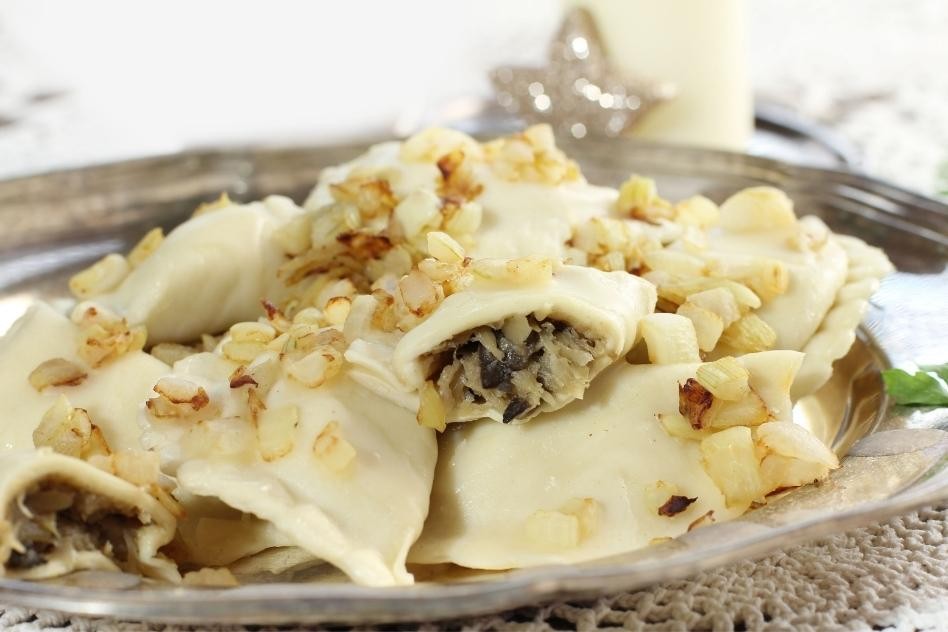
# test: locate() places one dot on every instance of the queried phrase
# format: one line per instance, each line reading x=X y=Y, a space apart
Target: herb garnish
x=921 y=389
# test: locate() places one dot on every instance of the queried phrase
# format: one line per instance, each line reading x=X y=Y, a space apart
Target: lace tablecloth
x=875 y=71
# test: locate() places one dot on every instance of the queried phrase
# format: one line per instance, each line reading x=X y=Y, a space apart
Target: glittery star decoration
x=577 y=91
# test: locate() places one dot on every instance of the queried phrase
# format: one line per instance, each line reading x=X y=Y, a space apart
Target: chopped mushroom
x=519 y=368
x=53 y=517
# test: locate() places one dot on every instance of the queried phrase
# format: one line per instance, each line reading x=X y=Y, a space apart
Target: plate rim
x=348 y=603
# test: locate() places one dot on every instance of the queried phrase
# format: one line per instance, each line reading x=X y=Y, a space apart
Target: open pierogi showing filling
x=519 y=338
x=354 y=383
x=64 y=515
x=515 y=368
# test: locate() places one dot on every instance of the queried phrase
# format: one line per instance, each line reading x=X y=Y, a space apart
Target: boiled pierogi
x=322 y=464
x=62 y=514
x=523 y=338
x=207 y=274
x=271 y=388
x=602 y=476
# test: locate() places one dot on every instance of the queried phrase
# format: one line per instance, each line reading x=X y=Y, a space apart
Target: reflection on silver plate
x=897 y=458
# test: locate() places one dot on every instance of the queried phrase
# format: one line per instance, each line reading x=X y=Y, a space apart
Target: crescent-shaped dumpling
x=62 y=514
x=510 y=351
x=586 y=481
x=829 y=277
x=837 y=331
x=338 y=472
x=209 y=273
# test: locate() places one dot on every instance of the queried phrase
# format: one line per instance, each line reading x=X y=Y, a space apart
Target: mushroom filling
x=519 y=368
x=53 y=518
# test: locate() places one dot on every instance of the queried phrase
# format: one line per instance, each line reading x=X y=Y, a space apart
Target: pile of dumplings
x=454 y=352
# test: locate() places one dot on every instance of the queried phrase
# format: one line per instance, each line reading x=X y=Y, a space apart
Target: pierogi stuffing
x=358 y=380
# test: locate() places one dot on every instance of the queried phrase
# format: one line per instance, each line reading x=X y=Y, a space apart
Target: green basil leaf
x=920 y=389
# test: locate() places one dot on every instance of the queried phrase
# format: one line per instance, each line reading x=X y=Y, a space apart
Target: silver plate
x=897 y=459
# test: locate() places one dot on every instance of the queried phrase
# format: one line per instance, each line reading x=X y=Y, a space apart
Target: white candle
x=700 y=46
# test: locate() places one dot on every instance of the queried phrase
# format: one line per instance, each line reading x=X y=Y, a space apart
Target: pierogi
x=785 y=276
x=592 y=479
x=63 y=515
x=505 y=348
x=207 y=274
x=272 y=387
x=337 y=471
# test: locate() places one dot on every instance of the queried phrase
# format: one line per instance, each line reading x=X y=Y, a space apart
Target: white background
x=133 y=78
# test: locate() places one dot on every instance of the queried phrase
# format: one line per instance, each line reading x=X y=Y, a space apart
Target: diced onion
x=146 y=247
x=276 y=431
x=749 y=334
x=332 y=449
x=431 y=411
x=757 y=208
x=101 y=277
x=750 y=410
x=730 y=460
x=670 y=339
x=789 y=439
x=708 y=325
x=725 y=378
x=56 y=372
x=444 y=248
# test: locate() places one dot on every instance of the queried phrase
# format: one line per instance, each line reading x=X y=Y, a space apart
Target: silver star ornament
x=578 y=92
